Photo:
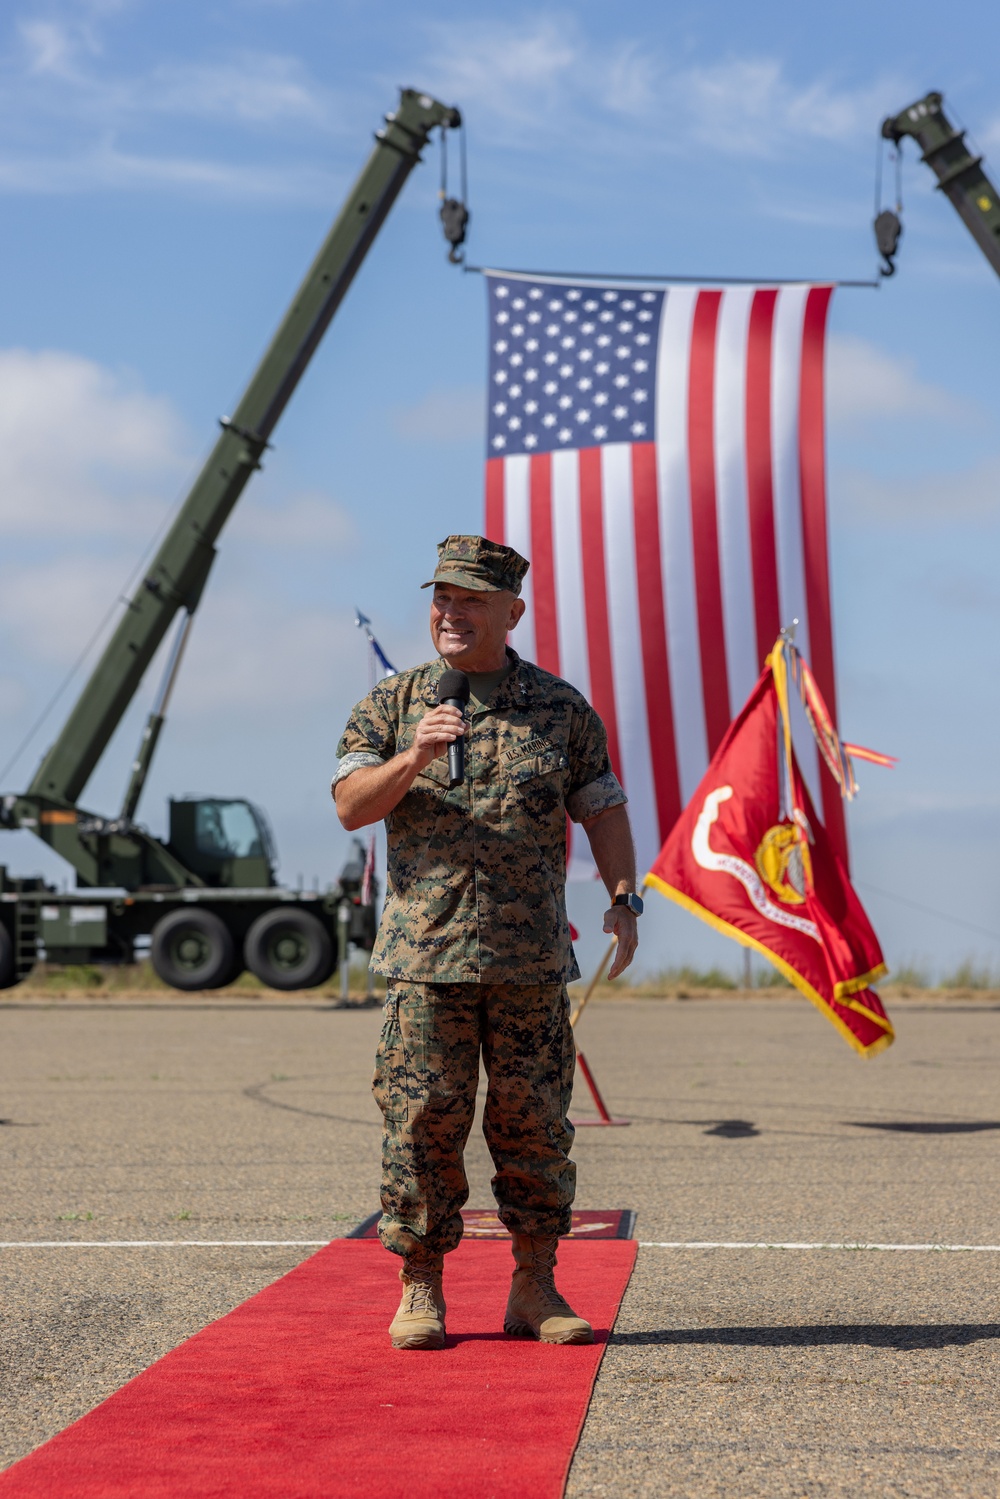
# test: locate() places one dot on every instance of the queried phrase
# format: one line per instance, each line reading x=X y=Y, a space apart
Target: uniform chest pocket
x=434 y=779
x=537 y=785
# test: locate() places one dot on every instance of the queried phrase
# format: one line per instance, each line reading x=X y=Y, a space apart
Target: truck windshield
x=228 y=830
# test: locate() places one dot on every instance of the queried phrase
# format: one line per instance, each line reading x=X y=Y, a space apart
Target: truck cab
x=224 y=840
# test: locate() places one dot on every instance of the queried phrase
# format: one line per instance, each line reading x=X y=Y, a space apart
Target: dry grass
x=94 y=983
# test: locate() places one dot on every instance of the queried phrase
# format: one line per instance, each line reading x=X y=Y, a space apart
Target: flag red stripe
x=815 y=556
x=494 y=499
x=543 y=574
x=655 y=663
x=704 y=519
x=595 y=594
x=760 y=488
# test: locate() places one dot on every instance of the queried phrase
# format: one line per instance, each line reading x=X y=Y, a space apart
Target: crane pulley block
x=960 y=173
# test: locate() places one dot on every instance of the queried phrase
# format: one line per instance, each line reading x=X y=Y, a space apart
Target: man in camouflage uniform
x=474 y=941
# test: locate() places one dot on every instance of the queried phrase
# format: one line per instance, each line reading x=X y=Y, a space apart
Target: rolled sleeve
x=356 y=761
x=368 y=739
x=599 y=796
x=593 y=786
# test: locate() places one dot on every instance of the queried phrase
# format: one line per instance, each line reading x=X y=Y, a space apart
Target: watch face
x=634 y=903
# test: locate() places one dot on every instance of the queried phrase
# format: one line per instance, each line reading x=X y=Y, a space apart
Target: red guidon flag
x=750 y=857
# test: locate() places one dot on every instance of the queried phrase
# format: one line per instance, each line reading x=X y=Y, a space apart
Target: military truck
x=206 y=896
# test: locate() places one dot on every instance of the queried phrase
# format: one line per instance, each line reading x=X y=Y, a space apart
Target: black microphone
x=453 y=690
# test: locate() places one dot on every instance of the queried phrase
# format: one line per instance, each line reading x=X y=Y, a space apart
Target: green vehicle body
x=959 y=172
x=217 y=863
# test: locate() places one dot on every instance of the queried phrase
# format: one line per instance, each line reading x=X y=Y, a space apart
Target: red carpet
x=297 y=1395
x=483 y=1223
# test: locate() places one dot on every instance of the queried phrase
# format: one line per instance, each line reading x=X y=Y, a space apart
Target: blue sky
x=166 y=174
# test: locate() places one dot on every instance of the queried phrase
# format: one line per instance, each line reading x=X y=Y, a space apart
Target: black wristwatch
x=634 y=902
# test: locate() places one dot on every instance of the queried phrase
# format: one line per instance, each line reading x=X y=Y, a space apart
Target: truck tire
x=8 y=971
x=289 y=949
x=194 y=949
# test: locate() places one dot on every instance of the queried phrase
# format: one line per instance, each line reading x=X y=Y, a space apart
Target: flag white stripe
x=731 y=495
x=517 y=534
x=683 y=652
x=626 y=650
x=786 y=365
x=568 y=560
x=571 y=613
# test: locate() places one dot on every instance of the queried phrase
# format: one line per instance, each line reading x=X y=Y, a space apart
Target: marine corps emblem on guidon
x=783 y=863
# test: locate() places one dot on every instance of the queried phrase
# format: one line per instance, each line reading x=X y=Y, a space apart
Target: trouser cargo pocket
x=389 y=1082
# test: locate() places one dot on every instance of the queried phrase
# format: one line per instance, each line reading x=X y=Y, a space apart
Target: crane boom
x=178 y=572
x=960 y=174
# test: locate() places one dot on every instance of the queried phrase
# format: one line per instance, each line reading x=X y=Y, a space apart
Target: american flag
x=658 y=455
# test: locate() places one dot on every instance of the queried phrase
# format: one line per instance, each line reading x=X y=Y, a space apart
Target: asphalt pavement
x=736 y=1371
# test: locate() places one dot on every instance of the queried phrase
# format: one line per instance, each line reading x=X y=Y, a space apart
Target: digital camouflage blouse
x=477 y=874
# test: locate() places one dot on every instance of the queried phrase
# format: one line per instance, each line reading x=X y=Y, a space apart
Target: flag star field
x=570 y=366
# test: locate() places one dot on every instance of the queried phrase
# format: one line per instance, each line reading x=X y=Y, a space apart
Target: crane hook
x=454 y=221
x=454 y=213
x=888 y=229
x=887 y=223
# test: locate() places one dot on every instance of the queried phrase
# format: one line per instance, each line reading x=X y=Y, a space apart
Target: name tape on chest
x=526 y=749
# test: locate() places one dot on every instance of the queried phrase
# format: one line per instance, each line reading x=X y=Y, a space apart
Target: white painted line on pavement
x=902 y=1248
x=164 y=1244
x=322 y=1243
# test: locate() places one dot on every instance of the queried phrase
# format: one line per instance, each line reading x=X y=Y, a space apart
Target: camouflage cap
x=474 y=562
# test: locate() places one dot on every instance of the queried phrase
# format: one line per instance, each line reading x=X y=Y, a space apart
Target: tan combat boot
x=419 y=1321
x=535 y=1309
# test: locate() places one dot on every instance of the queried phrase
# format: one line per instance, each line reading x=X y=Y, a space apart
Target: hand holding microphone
x=441 y=729
x=453 y=692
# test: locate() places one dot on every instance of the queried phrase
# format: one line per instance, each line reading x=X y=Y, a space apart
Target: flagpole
x=659 y=278
x=597 y=975
x=594 y=982
x=375 y=660
x=604 y=1116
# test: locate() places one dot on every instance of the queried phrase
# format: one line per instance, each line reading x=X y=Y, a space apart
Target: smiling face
x=469 y=627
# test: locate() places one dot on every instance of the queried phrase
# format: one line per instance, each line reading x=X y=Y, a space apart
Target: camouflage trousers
x=426 y=1077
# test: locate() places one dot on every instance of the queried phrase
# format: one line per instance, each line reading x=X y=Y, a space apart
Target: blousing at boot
x=474 y=941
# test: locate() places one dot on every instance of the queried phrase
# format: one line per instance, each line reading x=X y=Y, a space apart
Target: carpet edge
x=597 y=1366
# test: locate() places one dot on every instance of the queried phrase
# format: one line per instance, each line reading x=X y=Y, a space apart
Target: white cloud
x=105 y=166
x=260 y=88
x=83 y=451
x=50 y=609
x=865 y=383
x=250 y=86
x=544 y=68
x=85 y=458
x=513 y=70
x=248 y=656
x=310 y=519
x=51 y=48
x=942 y=498
x=443 y=416
x=544 y=71
x=70 y=115
x=748 y=106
